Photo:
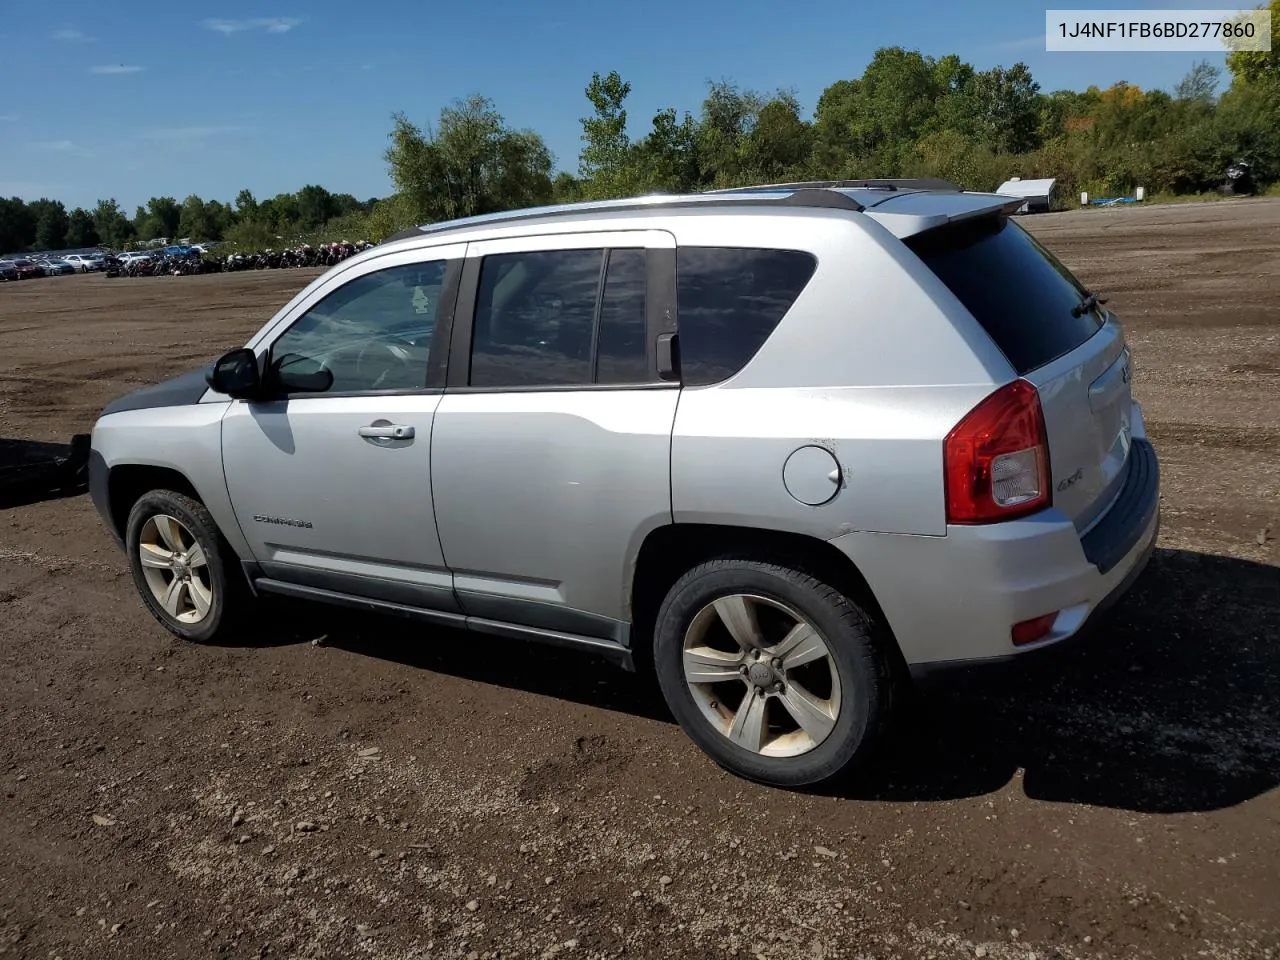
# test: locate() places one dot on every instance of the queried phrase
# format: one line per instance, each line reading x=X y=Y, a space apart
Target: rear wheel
x=182 y=569
x=775 y=674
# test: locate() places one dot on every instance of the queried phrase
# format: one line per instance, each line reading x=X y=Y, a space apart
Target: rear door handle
x=389 y=431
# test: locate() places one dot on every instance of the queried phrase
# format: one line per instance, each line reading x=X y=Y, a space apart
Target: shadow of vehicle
x=32 y=470
x=1173 y=705
x=537 y=668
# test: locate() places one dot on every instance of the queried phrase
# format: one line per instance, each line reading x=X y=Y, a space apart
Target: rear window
x=1016 y=289
x=728 y=301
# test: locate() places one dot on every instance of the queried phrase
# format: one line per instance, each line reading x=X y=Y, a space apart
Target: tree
x=472 y=163
x=604 y=163
x=1006 y=108
x=51 y=224
x=159 y=219
x=17 y=225
x=246 y=206
x=81 y=230
x=114 y=228
x=315 y=206
x=194 y=221
x=666 y=159
x=280 y=212
x=780 y=142
x=1200 y=84
x=1257 y=67
x=728 y=117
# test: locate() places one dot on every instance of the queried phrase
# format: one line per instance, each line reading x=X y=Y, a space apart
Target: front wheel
x=181 y=569
x=773 y=673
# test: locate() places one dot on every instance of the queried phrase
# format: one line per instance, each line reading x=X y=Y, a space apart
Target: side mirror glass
x=294 y=373
x=236 y=374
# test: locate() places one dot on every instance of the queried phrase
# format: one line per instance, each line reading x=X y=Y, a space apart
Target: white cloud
x=267 y=24
x=187 y=134
x=30 y=189
x=63 y=146
x=1034 y=42
x=8 y=116
x=73 y=36
x=116 y=69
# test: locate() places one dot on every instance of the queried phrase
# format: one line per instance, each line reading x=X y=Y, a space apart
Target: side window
x=728 y=301
x=372 y=333
x=534 y=313
x=620 y=351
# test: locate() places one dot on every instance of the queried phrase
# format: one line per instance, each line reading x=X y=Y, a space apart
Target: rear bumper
x=952 y=601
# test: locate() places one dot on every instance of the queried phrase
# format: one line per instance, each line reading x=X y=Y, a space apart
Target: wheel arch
x=127 y=482
x=667 y=552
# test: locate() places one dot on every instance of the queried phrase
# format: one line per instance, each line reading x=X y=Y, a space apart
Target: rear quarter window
x=728 y=302
x=1018 y=291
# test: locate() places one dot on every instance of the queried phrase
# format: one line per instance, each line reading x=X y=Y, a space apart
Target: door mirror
x=294 y=373
x=236 y=374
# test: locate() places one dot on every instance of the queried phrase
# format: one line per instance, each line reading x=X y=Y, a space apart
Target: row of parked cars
x=48 y=265
x=44 y=265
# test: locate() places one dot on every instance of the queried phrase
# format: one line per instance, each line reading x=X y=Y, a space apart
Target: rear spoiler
x=910 y=214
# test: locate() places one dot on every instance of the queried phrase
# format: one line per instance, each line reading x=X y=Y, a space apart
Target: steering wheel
x=393 y=358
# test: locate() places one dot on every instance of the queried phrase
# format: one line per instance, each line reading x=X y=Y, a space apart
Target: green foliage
x=471 y=163
x=907 y=114
x=51 y=224
x=603 y=164
x=251 y=235
x=914 y=115
x=1200 y=83
x=114 y=228
x=81 y=230
x=1255 y=67
x=17 y=225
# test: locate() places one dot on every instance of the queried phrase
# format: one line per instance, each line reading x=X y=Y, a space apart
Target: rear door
x=1034 y=310
x=551 y=454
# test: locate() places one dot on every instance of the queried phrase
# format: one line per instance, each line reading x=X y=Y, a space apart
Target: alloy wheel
x=175 y=568
x=762 y=675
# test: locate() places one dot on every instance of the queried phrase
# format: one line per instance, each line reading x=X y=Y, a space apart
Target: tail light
x=996 y=460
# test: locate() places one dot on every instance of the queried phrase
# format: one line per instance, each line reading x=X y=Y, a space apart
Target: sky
x=132 y=101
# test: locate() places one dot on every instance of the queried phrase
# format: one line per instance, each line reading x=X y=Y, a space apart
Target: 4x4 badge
x=1071 y=479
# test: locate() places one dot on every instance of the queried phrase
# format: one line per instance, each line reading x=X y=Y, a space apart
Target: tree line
x=47 y=224
x=907 y=115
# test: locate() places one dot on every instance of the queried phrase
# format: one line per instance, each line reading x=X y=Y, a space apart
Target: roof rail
x=922 y=183
x=786 y=195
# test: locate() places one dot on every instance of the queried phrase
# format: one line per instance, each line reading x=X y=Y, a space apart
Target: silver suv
x=789 y=446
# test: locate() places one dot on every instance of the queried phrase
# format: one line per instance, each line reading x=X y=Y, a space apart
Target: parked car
x=8 y=270
x=54 y=267
x=86 y=262
x=795 y=446
x=28 y=269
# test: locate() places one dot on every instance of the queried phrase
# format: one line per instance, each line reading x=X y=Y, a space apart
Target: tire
x=215 y=600
x=853 y=716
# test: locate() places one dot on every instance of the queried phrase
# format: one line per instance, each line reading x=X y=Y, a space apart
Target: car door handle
x=389 y=431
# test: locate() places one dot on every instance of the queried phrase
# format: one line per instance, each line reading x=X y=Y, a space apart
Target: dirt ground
x=396 y=792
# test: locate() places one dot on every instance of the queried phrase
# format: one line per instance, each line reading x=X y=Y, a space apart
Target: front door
x=332 y=489
x=551 y=453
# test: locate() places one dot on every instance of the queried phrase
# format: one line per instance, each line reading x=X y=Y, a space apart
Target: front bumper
x=952 y=601
x=100 y=495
